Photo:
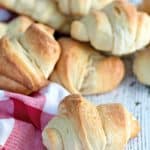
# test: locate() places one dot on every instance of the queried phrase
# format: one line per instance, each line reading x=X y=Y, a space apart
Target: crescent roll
x=80 y=125
x=29 y=59
x=118 y=29
x=141 y=66
x=81 y=69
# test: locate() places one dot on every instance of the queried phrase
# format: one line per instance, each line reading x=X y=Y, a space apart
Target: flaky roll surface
x=118 y=29
x=81 y=69
x=80 y=125
x=29 y=59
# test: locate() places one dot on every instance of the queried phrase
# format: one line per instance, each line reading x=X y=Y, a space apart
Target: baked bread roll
x=80 y=125
x=141 y=66
x=78 y=8
x=15 y=27
x=44 y=11
x=118 y=29
x=145 y=6
x=29 y=59
x=81 y=69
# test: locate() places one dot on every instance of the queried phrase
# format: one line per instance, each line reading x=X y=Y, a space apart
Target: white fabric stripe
x=2 y=95
x=6 y=127
x=54 y=93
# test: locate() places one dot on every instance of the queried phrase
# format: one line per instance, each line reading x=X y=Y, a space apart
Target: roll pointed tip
x=135 y=128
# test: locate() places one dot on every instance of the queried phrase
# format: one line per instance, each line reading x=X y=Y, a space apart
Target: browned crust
x=13 y=86
x=107 y=126
x=117 y=120
x=13 y=65
x=9 y=64
x=109 y=71
x=112 y=70
x=40 y=39
x=113 y=116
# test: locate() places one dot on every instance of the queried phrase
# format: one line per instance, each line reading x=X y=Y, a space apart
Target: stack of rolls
x=87 y=61
x=114 y=27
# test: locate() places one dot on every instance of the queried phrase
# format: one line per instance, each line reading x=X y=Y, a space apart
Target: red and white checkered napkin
x=22 y=118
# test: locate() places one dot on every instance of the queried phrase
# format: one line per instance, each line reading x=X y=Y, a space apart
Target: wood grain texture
x=136 y=98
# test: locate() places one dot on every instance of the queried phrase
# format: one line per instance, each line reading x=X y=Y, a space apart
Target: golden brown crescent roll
x=83 y=70
x=28 y=59
x=80 y=125
x=145 y=6
x=141 y=66
x=44 y=11
x=80 y=7
x=118 y=29
x=15 y=27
